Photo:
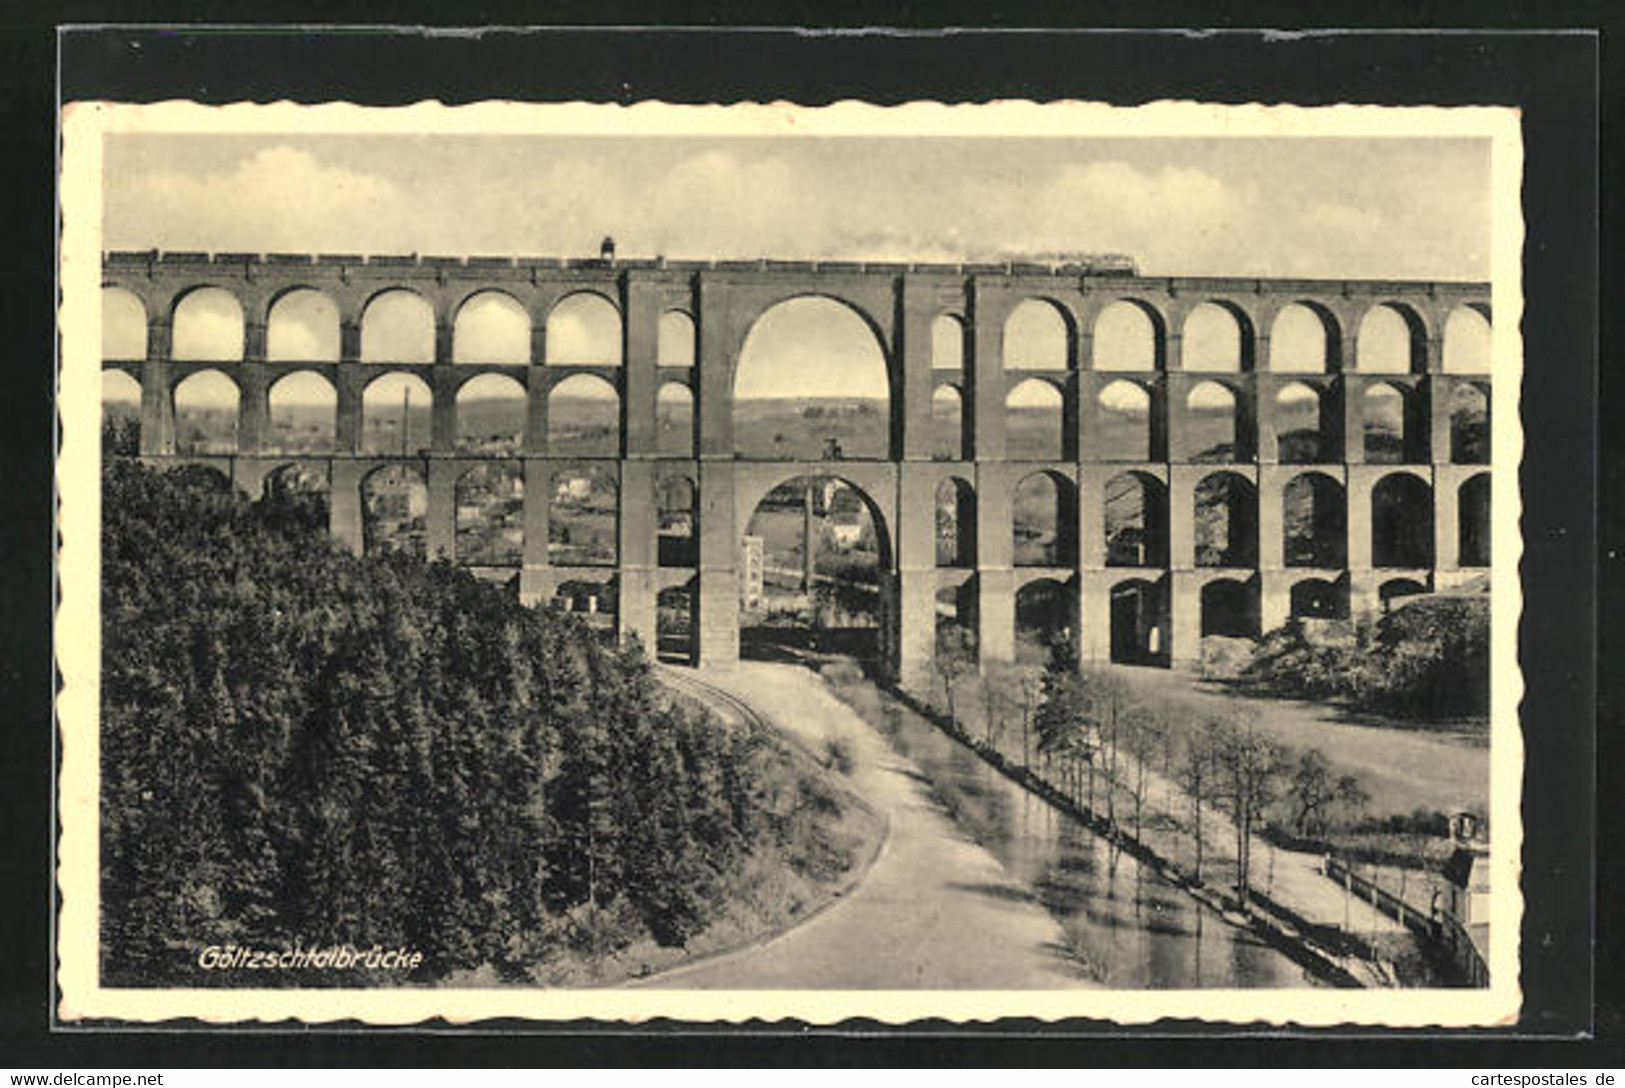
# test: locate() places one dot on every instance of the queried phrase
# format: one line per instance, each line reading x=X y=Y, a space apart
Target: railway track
x=738 y=711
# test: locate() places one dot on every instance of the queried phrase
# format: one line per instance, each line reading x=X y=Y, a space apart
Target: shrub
x=1428 y=659
x=838 y=754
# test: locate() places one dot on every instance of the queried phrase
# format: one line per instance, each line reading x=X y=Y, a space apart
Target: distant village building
x=573 y=489
x=846 y=529
x=399 y=495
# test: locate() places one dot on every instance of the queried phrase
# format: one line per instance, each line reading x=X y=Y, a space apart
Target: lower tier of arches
x=656 y=550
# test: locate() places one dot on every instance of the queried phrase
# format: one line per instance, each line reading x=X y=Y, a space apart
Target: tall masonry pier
x=1323 y=512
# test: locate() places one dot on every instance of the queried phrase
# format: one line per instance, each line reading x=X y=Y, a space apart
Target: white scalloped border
x=77 y=630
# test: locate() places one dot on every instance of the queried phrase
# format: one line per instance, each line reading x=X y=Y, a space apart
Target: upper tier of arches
x=214 y=313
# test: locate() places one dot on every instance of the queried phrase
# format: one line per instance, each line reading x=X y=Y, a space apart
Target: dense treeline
x=1428 y=660
x=300 y=746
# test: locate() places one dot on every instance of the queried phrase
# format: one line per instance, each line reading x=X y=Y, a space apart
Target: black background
x=1553 y=77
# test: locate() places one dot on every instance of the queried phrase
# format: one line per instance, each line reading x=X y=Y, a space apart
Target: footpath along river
x=1132 y=929
x=980 y=884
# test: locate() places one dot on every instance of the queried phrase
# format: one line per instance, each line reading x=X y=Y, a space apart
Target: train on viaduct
x=1406 y=515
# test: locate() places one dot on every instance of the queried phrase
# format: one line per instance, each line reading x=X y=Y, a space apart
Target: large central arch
x=812 y=382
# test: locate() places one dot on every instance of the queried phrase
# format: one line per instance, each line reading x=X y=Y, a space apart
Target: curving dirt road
x=936 y=911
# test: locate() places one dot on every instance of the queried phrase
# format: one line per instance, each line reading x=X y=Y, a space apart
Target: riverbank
x=935 y=911
x=1331 y=957
x=1291 y=894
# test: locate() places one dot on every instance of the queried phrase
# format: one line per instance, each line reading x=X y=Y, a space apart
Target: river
x=1129 y=928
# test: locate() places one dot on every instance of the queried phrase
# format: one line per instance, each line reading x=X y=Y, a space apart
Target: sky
x=1394 y=208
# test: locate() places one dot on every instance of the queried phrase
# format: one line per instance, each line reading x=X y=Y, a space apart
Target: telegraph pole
x=807 y=537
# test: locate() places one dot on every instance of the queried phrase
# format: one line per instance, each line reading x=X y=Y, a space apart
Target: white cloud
x=277 y=199
x=1366 y=208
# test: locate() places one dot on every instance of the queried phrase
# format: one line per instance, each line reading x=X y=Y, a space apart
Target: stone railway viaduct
x=899 y=303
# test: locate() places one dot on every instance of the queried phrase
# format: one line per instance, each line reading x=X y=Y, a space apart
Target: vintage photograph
x=1009 y=560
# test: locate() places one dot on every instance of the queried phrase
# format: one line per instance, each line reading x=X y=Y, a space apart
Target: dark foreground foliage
x=302 y=746
x=1426 y=660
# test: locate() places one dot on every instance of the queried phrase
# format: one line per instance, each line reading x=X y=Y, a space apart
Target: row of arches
x=1217 y=424
x=1129 y=335
x=583 y=513
x=583 y=508
x=1224 y=519
x=492 y=409
x=396 y=415
x=586 y=328
x=1138 y=618
x=396 y=326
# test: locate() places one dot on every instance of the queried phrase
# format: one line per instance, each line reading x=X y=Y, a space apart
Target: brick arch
x=282 y=382
x=268 y=314
x=275 y=470
x=1402 y=516
x=1332 y=327
x=269 y=300
x=689 y=335
x=1323 y=543
x=1309 y=596
x=1151 y=549
x=117 y=291
x=763 y=302
x=371 y=298
x=1240 y=500
x=180 y=294
x=376 y=291
x=964 y=497
x=522 y=296
x=722 y=383
x=1070 y=325
x=1043 y=608
x=1159 y=331
x=183 y=296
x=454 y=316
x=1246 y=329
x=1419 y=324
x=961 y=332
x=1028 y=576
x=468 y=372
x=877 y=490
x=953 y=444
x=1063 y=549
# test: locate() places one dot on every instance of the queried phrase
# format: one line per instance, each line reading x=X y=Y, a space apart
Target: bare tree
x=1311 y=792
x=1110 y=699
x=1032 y=689
x=996 y=695
x=1142 y=729
x=1196 y=774
x=952 y=661
x=1251 y=768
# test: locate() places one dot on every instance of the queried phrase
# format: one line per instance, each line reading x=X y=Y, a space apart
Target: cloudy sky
x=1400 y=208
x=1294 y=207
